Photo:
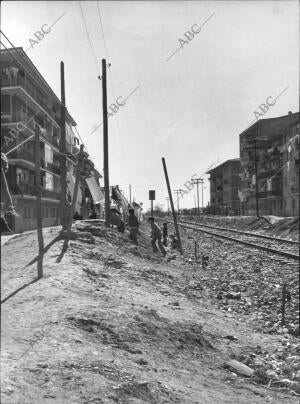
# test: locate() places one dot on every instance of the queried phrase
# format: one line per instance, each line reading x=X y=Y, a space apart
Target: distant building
x=267 y=142
x=27 y=102
x=224 y=186
x=291 y=171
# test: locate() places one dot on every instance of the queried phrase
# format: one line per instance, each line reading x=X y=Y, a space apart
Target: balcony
x=274 y=192
x=29 y=189
x=54 y=168
x=22 y=154
x=262 y=194
x=19 y=81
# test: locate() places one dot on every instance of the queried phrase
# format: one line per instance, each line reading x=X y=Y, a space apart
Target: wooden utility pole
x=62 y=149
x=172 y=205
x=105 y=145
x=178 y=192
x=39 y=220
x=197 y=181
x=79 y=168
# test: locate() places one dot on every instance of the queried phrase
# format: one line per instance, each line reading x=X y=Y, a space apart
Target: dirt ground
x=114 y=323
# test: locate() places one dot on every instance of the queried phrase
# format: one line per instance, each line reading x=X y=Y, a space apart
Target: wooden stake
x=39 y=222
x=105 y=145
x=172 y=205
x=283 y=305
x=79 y=167
x=62 y=149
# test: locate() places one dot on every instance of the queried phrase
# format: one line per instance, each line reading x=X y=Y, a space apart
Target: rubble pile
x=251 y=287
x=279 y=368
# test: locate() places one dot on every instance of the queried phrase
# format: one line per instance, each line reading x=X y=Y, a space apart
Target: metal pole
x=105 y=145
x=130 y=194
x=39 y=220
x=172 y=205
x=151 y=207
x=177 y=191
x=62 y=149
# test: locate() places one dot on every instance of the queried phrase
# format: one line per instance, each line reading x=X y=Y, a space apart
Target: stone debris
x=239 y=368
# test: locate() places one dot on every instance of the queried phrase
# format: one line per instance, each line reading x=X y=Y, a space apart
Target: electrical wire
x=89 y=39
x=120 y=138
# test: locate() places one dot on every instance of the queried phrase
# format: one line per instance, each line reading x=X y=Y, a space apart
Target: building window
x=27 y=212
x=48 y=155
x=49 y=181
x=52 y=212
x=5 y=104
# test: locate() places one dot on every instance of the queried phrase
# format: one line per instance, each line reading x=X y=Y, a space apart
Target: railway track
x=279 y=246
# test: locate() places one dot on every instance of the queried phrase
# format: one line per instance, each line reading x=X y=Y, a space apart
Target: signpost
x=152 y=198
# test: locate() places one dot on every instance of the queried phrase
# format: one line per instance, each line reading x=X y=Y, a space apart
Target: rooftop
x=236 y=160
x=20 y=58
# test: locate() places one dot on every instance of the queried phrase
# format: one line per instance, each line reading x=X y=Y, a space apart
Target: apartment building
x=27 y=102
x=265 y=158
x=224 y=186
x=291 y=171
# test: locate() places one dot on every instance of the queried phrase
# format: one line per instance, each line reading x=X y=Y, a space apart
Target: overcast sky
x=190 y=108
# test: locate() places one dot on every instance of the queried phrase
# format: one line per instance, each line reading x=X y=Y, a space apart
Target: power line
x=99 y=14
x=89 y=39
x=120 y=138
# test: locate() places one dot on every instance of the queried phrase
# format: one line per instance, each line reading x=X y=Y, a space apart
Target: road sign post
x=152 y=198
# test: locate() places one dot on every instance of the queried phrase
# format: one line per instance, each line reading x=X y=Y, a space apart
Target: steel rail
x=246 y=243
x=248 y=233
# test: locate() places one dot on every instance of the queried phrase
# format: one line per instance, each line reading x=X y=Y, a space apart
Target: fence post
x=283 y=305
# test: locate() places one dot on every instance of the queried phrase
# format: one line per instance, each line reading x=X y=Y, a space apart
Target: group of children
x=157 y=236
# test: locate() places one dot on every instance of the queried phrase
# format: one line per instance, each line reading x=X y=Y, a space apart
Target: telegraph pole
x=177 y=191
x=105 y=145
x=197 y=181
x=130 y=194
x=172 y=205
x=62 y=150
x=202 y=182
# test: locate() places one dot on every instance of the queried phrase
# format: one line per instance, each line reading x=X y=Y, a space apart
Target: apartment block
x=291 y=171
x=265 y=158
x=224 y=186
x=28 y=102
